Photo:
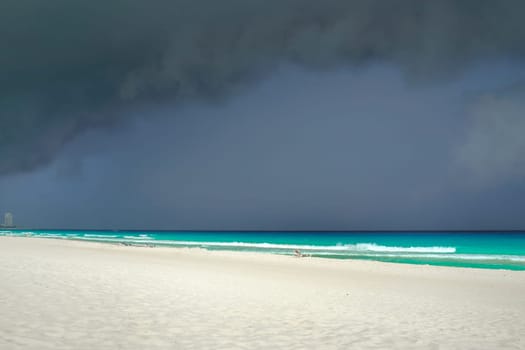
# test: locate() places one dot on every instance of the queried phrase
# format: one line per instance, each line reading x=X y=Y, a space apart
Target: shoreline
x=258 y=253
x=420 y=270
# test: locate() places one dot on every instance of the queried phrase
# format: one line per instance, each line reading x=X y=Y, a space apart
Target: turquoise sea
x=492 y=250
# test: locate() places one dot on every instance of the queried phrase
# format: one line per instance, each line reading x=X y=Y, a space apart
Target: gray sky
x=344 y=149
x=263 y=115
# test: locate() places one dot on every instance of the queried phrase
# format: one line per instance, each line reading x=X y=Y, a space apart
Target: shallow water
x=494 y=250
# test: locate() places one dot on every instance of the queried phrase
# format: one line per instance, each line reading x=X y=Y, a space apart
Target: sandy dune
x=58 y=294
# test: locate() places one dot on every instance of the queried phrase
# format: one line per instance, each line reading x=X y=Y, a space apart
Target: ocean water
x=492 y=250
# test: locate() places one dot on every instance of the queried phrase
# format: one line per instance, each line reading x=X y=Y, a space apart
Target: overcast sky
x=216 y=122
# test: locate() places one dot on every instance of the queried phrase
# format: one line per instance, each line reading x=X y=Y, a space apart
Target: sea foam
x=359 y=247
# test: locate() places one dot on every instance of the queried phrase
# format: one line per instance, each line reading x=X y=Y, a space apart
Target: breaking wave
x=100 y=236
x=359 y=247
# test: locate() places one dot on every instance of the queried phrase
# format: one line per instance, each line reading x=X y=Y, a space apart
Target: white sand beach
x=58 y=294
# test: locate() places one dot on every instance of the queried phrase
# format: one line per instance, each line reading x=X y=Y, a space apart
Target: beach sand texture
x=59 y=294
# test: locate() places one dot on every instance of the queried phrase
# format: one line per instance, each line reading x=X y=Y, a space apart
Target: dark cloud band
x=67 y=66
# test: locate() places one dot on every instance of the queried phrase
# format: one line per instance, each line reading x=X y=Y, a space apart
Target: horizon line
x=273 y=230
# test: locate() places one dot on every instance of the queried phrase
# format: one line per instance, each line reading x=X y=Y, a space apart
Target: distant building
x=8 y=220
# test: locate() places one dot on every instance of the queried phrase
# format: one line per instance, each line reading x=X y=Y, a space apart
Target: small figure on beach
x=298 y=253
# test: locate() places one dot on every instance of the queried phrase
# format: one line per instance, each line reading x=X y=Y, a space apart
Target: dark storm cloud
x=67 y=66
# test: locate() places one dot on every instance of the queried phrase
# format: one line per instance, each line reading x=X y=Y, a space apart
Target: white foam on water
x=100 y=236
x=381 y=248
x=104 y=239
x=359 y=247
x=16 y=233
x=140 y=237
x=344 y=248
